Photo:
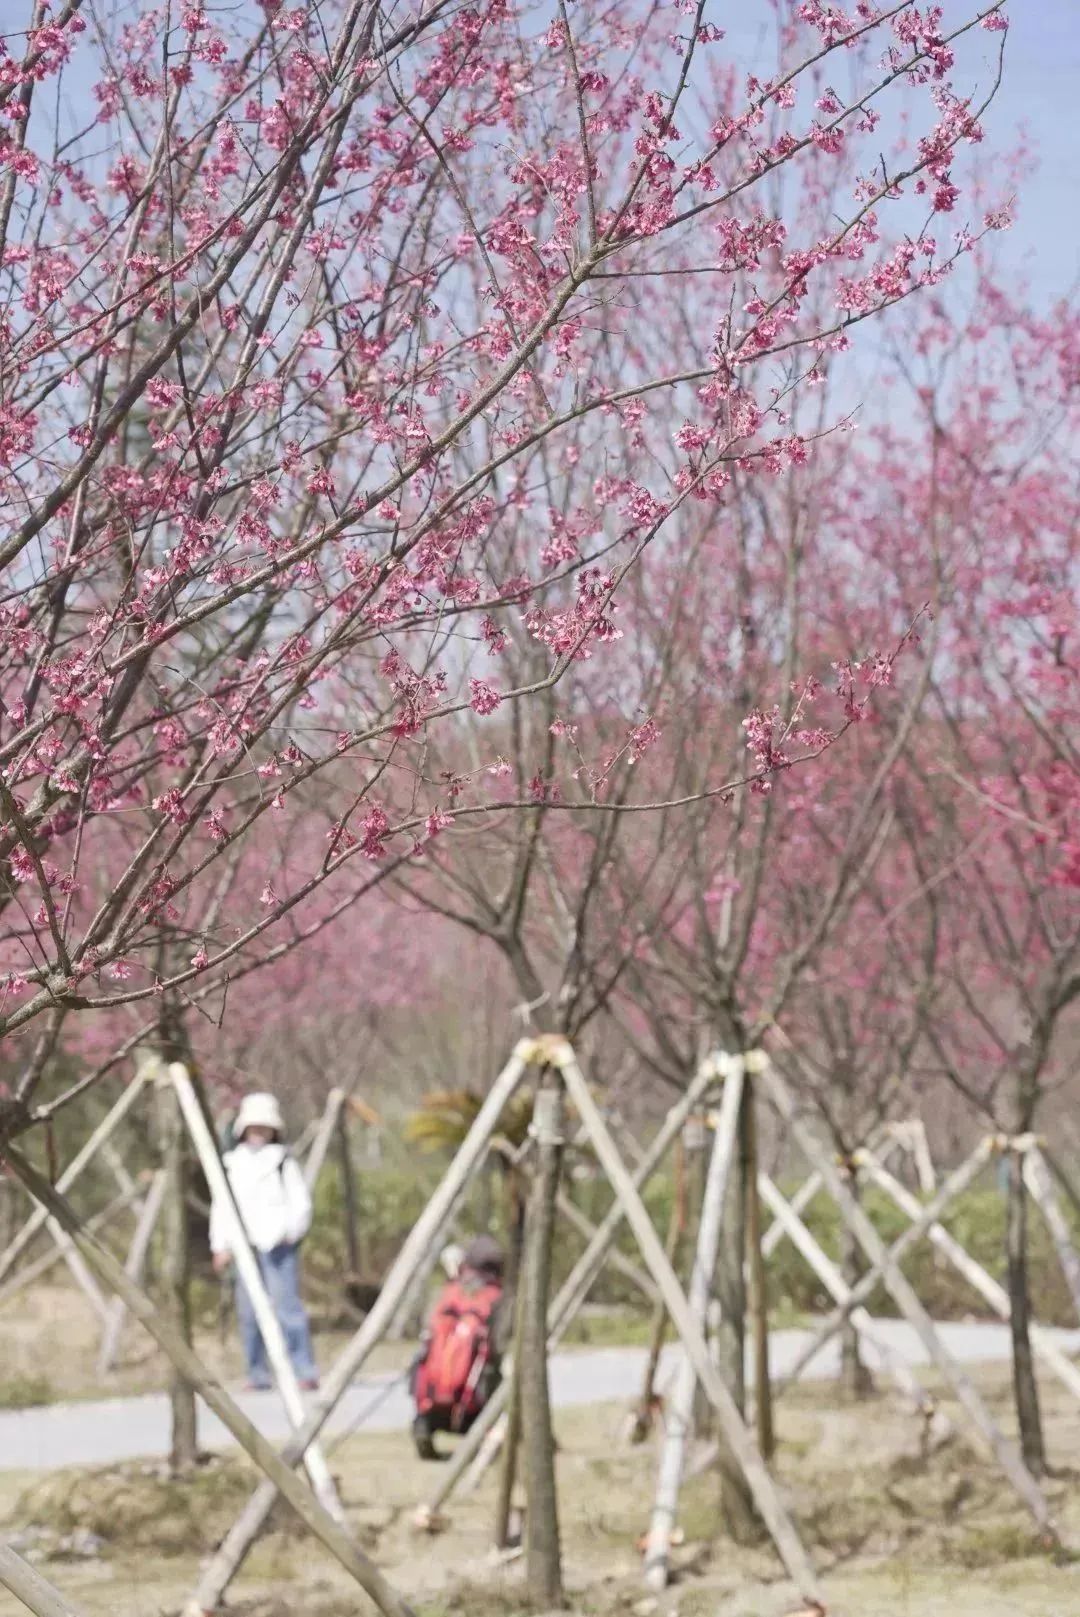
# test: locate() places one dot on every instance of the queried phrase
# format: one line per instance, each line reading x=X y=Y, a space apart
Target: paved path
x=112 y=1429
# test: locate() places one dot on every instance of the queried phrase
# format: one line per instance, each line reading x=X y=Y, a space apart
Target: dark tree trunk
x=1025 y=1388
x=542 y=1549
x=509 y=1468
x=515 y=1227
x=855 y=1378
x=759 y=1301
x=738 y=1506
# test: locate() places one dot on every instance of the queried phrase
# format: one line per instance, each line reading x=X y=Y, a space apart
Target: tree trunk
x=759 y=1301
x=175 y=1275
x=512 y=1443
x=736 y=1501
x=855 y=1378
x=543 y=1557
x=695 y=1140
x=1025 y=1388
x=514 y=1202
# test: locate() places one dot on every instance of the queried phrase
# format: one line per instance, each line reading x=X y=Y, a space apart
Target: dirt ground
x=893 y=1535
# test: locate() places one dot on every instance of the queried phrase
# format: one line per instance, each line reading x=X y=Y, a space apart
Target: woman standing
x=275 y=1210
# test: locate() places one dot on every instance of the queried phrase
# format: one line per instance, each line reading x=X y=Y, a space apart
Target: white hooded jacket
x=273 y=1200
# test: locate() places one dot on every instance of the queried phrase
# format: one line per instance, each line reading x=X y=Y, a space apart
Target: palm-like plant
x=441 y=1123
x=445 y=1116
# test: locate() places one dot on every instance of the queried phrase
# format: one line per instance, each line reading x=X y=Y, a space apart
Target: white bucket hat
x=259 y=1111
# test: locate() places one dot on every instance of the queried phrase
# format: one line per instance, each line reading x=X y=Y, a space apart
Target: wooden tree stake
x=27 y=1584
x=578 y=1283
x=904 y=1296
x=976 y=1276
x=424 y=1237
x=133 y=1268
x=742 y=1446
x=251 y=1279
x=1044 y=1194
x=680 y=1406
x=282 y=1479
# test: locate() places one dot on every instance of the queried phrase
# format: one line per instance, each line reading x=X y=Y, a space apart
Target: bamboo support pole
x=511 y=1438
x=680 y=1405
x=904 y=1296
x=424 y=1236
x=133 y=1268
x=247 y=1266
x=585 y=1226
x=324 y=1138
x=776 y=1233
x=28 y=1586
x=741 y=1444
x=281 y=1478
x=571 y=1212
x=48 y=1260
x=1044 y=1194
x=118 y=1167
x=976 y=1276
x=105 y=1129
x=831 y=1278
x=79 y=1272
x=889 y=1257
x=1064 y=1175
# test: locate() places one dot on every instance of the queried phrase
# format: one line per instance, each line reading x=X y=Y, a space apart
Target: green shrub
x=392 y=1196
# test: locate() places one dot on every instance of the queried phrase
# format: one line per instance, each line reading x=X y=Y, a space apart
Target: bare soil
x=893 y=1535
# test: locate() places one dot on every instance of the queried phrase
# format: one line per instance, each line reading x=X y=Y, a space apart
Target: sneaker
x=310 y=1385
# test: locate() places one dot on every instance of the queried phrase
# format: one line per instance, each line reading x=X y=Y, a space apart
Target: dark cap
x=484 y=1253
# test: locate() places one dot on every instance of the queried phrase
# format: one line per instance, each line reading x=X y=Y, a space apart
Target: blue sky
x=1039 y=94
x=1041 y=91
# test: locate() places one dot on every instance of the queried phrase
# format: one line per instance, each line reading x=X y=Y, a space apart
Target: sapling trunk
x=737 y=1502
x=755 y=1266
x=542 y=1548
x=1025 y=1387
x=512 y=1443
x=855 y=1378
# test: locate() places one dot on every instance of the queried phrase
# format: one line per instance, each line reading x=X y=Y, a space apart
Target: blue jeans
x=281 y=1277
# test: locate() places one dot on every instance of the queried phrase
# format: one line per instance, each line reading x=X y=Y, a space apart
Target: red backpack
x=458 y=1350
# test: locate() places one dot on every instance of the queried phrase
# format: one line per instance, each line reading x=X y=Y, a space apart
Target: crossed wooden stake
x=318 y=1507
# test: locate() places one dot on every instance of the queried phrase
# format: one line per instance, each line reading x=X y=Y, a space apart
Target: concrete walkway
x=111 y=1429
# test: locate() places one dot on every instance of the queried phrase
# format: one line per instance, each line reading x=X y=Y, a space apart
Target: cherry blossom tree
x=296 y=305
x=995 y=828
x=310 y=318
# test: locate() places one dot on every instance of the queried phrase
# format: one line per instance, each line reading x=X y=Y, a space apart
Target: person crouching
x=459 y=1364
x=275 y=1210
